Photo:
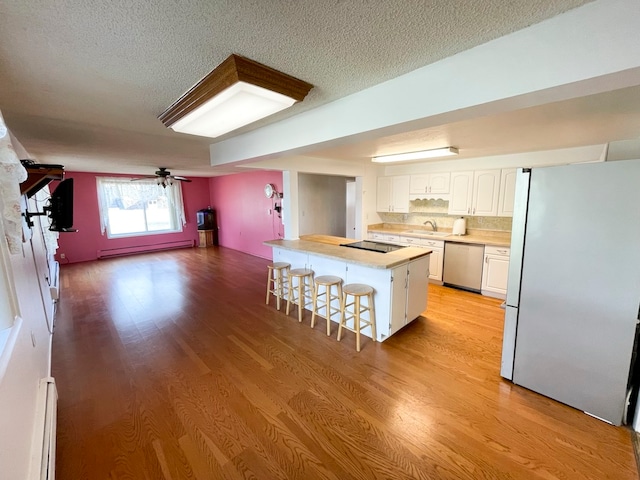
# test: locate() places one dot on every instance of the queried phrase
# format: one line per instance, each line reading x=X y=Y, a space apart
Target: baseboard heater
x=116 y=252
x=43 y=456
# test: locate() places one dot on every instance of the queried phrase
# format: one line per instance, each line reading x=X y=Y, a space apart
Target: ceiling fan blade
x=182 y=179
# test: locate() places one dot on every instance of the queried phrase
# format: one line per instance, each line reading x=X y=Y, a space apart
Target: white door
x=398 y=299
x=486 y=185
x=461 y=193
x=495 y=273
x=400 y=194
x=507 y=192
x=417 y=284
x=435 y=263
x=439 y=182
x=351 y=210
x=383 y=197
x=419 y=184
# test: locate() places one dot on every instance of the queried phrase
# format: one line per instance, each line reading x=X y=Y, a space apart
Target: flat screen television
x=60 y=209
x=206 y=219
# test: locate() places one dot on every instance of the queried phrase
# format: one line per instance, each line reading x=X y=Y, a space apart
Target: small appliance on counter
x=459 y=226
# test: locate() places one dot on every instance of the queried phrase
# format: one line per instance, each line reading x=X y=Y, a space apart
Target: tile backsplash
x=437 y=210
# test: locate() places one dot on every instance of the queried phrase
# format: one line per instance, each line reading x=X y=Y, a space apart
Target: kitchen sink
x=427 y=233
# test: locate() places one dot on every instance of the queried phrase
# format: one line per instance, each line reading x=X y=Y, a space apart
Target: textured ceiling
x=82 y=82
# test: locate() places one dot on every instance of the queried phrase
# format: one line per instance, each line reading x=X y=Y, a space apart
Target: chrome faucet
x=433 y=225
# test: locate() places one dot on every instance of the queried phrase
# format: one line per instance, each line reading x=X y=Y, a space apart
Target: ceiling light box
x=404 y=157
x=236 y=93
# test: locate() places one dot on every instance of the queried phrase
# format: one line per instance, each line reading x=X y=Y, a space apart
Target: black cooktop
x=373 y=246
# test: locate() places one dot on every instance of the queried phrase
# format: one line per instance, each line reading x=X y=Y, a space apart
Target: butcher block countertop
x=484 y=237
x=328 y=246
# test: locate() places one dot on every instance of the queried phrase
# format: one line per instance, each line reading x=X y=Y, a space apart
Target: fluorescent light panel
x=403 y=157
x=237 y=92
x=235 y=107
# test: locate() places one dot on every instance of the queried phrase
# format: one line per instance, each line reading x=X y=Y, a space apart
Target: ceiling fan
x=163 y=177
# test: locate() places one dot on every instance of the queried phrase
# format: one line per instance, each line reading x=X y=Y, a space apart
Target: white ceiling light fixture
x=236 y=93
x=404 y=157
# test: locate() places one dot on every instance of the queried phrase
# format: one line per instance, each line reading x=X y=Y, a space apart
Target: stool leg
x=301 y=285
x=343 y=302
x=278 y=289
x=314 y=306
x=372 y=316
x=356 y=321
x=268 y=284
x=290 y=281
x=328 y=298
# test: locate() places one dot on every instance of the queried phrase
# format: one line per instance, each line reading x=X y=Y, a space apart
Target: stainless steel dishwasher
x=463 y=265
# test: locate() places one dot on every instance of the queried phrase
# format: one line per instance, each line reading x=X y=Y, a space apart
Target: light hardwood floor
x=171 y=366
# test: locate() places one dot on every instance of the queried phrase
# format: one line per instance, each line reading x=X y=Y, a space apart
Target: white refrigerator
x=573 y=295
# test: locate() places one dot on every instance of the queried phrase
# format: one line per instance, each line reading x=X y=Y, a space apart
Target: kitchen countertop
x=485 y=237
x=328 y=246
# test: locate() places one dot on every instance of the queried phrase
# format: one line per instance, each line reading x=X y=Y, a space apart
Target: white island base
x=400 y=285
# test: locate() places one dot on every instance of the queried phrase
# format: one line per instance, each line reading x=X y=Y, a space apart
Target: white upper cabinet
x=461 y=193
x=507 y=192
x=393 y=194
x=430 y=183
x=475 y=193
x=486 y=186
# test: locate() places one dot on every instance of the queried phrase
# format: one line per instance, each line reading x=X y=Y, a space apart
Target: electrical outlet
x=63 y=256
x=269 y=211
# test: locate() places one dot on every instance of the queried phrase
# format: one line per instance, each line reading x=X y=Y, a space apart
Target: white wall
x=30 y=357
x=322 y=204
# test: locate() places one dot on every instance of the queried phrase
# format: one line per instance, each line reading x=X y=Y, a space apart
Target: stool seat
x=325 y=299
x=300 y=272
x=302 y=292
x=358 y=291
x=276 y=280
x=327 y=280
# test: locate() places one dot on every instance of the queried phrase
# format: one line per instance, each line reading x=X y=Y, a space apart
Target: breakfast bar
x=399 y=277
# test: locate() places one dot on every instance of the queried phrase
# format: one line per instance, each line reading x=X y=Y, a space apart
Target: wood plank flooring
x=170 y=366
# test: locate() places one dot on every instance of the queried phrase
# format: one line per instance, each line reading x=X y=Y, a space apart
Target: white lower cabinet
x=436 y=259
x=495 y=271
x=400 y=293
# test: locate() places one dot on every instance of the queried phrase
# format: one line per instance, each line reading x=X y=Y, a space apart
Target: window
x=142 y=207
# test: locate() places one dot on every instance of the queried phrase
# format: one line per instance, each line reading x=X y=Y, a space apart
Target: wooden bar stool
x=302 y=291
x=278 y=276
x=324 y=299
x=357 y=291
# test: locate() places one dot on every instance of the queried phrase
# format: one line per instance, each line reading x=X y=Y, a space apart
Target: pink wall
x=84 y=244
x=242 y=211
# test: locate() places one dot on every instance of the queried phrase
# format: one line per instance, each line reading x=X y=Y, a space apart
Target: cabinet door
x=400 y=194
x=436 y=261
x=461 y=193
x=380 y=280
x=486 y=185
x=383 y=197
x=417 y=284
x=398 y=299
x=494 y=274
x=507 y=192
x=419 y=184
x=439 y=182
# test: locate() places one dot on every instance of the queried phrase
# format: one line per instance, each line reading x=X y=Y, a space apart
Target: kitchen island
x=399 y=278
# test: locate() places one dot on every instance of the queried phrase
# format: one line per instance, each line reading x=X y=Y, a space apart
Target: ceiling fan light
x=420 y=155
x=236 y=93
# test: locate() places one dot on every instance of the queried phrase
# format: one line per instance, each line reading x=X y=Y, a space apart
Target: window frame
x=175 y=202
